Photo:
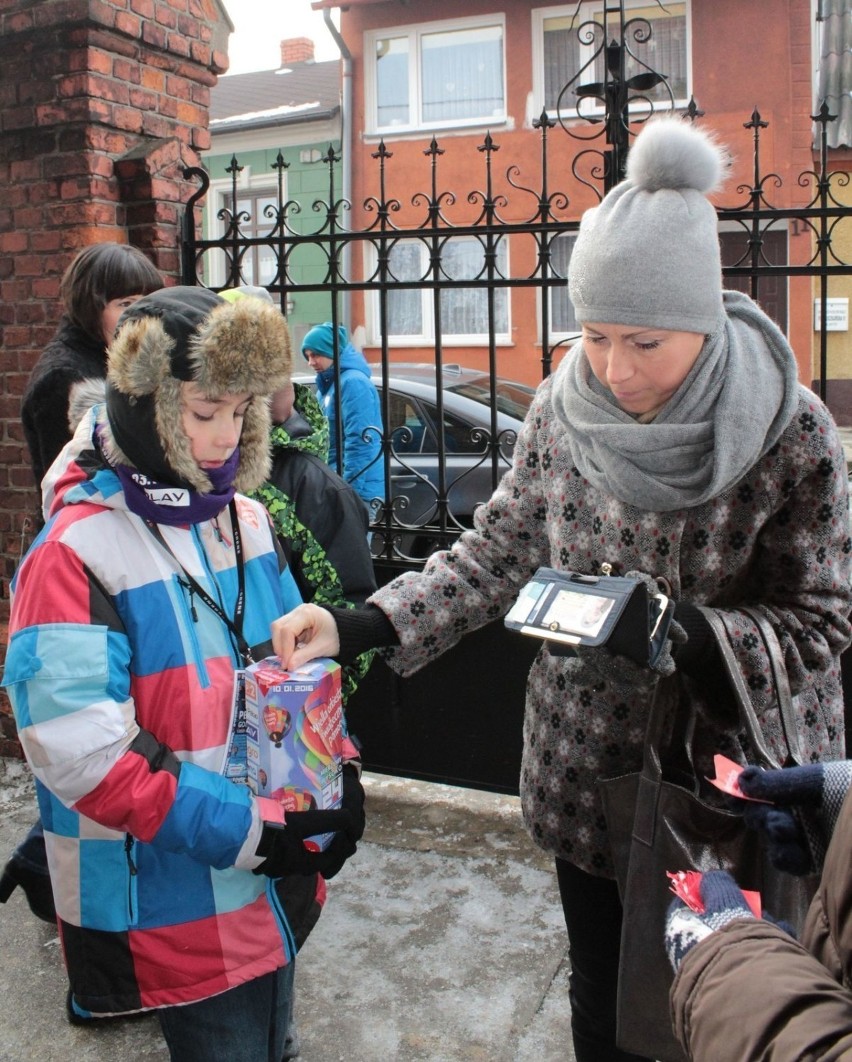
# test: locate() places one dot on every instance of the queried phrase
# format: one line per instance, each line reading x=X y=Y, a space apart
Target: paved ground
x=442 y=940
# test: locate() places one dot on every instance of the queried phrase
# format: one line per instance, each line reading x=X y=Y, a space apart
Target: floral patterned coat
x=777 y=539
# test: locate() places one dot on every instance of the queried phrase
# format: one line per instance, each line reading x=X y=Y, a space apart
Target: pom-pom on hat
x=649 y=254
x=183 y=334
x=320 y=340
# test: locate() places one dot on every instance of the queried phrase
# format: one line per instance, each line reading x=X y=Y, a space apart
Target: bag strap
x=748 y=716
x=666 y=689
x=781 y=682
x=662 y=706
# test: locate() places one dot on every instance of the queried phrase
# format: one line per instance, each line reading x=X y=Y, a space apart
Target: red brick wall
x=744 y=56
x=102 y=105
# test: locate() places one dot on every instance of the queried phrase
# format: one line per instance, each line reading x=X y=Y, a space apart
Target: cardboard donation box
x=294 y=738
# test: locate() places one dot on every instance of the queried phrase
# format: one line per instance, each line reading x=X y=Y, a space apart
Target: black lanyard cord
x=235 y=625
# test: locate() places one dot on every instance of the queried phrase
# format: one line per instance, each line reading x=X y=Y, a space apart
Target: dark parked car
x=471 y=464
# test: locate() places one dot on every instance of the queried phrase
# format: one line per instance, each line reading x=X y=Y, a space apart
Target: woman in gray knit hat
x=674 y=442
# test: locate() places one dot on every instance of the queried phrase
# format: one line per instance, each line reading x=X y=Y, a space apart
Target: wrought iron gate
x=470 y=733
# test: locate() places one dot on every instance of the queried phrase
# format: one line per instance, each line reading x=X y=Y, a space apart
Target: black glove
x=344 y=844
x=353 y=800
x=282 y=844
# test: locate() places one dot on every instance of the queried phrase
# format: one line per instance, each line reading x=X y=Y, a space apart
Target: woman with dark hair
x=101 y=282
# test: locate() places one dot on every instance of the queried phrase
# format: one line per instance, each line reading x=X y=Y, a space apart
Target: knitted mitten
x=805 y=805
x=723 y=903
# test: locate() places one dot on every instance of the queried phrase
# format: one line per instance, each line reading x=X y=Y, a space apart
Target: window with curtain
x=437 y=75
x=258 y=263
x=562 y=319
x=463 y=310
x=560 y=55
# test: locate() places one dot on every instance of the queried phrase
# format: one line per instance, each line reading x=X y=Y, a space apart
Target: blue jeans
x=593 y=916
x=245 y=1024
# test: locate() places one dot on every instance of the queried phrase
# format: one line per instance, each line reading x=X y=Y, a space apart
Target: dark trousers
x=31 y=851
x=249 y=1023
x=593 y=916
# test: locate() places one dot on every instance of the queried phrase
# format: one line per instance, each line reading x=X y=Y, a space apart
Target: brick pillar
x=102 y=105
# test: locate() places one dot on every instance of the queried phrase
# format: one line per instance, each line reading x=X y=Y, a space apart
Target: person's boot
x=35 y=884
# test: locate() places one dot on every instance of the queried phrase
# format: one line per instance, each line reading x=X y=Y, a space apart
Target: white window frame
x=217 y=195
x=414 y=34
x=592 y=10
x=216 y=201
x=426 y=338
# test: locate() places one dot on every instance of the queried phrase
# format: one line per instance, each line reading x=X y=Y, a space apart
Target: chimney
x=297 y=50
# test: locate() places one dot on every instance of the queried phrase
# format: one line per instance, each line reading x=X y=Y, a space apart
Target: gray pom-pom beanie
x=649 y=254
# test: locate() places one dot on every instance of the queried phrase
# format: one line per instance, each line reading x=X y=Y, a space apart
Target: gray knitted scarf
x=732 y=407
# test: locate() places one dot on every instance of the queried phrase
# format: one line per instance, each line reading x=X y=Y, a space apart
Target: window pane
x=561 y=60
x=405 y=307
x=562 y=317
x=458 y=434
x=462 y=74
x=464 y=311
x=664 y=52
x=392 y=81
x=265 y=257
x=257 y=265
x=461 y=437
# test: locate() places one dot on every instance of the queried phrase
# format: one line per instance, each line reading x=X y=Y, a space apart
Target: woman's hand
x=303 y=635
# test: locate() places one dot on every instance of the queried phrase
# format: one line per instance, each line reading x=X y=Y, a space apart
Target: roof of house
x=318 y=5
x=301 y=92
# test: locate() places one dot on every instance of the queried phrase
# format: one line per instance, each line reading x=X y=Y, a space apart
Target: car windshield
x=512 y=398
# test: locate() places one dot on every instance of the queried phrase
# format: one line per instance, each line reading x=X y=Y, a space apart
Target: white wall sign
x=836 y=315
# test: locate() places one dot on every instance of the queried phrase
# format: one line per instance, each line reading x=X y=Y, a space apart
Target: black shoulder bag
x=658 y=822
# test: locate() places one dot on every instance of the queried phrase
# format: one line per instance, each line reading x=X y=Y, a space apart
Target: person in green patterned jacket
x=321 y=523
x=320 y=520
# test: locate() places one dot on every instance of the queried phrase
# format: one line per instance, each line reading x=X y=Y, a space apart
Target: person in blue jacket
x=360 y=458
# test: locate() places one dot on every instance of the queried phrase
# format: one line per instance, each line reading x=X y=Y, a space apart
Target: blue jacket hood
x=350 y=358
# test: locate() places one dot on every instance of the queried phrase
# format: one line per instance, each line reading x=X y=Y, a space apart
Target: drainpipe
x=346 y=148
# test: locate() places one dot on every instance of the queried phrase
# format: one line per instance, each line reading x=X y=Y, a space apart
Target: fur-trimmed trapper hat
x=184 y=334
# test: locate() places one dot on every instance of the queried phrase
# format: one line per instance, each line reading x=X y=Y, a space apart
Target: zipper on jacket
x=281 y=918
x=133 y=871
x=220 y=534
x=212 y=575
x=186 y=603
x=188 y=587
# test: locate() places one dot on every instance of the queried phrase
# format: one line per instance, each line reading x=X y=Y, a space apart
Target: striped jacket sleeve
x=68 y=677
